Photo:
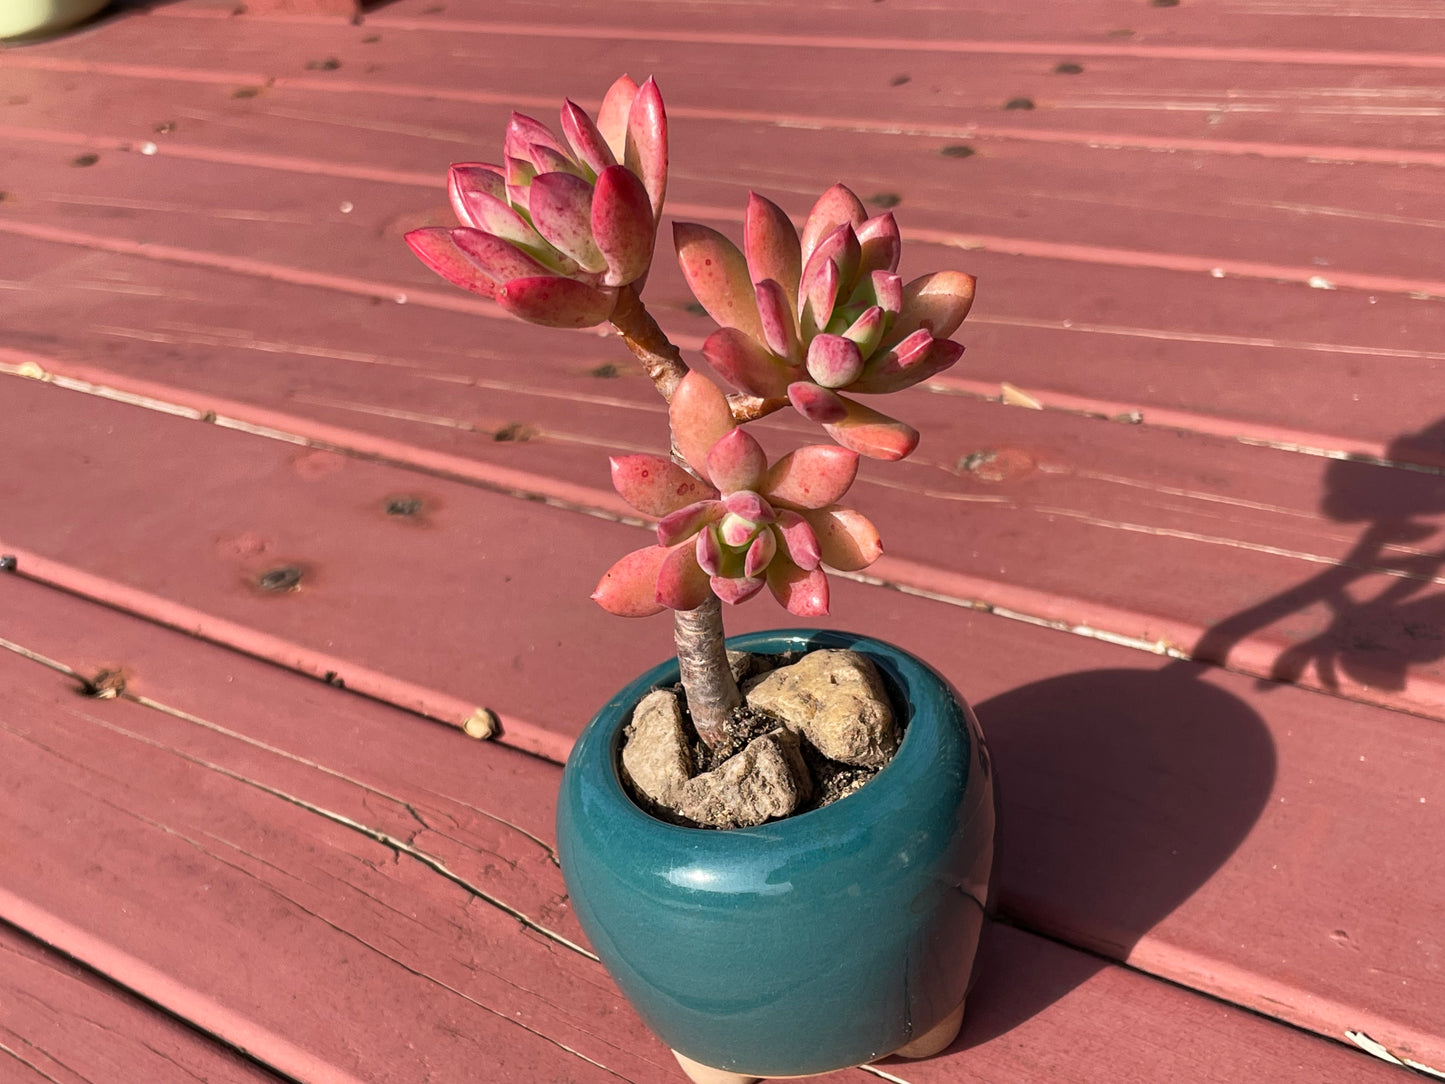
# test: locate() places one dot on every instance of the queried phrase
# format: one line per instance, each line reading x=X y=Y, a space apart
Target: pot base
x=933 y=1041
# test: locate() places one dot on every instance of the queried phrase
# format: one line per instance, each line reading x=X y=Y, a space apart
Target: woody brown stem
x=660 y=359
x=707 y=679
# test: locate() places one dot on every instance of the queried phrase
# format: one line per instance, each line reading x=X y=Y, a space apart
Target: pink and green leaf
x=937 y=302
x=799 y=540
x=745 y=364
x=834 y=361
x=881 y=244
x=760 y=553
x=749 y=506
x=629 y=587
x=847 y=539
x=736 y=461
x=836 y=207
x=802 y=592
x=910 y=362
x=585 y=140
x=681 y=582
x=817 y=404
x=770 y=241
x=561 y=207
x=682 y=524
x=435 y=247
x=557 y=302
x=775 y=311
x=621 y=225
x=655 y=485
x=699 y=416
x=500 y=259
x=814 y=476
x=612 y=116
x=735 y=589
x=717 y=275
x=646 y=144
x=870 y=433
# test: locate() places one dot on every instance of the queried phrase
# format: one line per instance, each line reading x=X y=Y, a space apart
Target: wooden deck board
x=1302 y=749
x=233 y=834
x=1221 y=224
x=62 y=1024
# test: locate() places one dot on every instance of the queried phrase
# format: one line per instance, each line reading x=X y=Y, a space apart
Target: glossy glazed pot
x=37 y=18
x=804 y=945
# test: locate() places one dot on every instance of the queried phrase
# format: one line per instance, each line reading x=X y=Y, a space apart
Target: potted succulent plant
x=785 y=866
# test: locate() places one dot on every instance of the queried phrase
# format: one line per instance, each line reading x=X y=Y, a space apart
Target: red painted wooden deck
x=1196 y=598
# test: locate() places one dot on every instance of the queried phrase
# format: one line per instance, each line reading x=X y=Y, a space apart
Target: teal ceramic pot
x=804 y=945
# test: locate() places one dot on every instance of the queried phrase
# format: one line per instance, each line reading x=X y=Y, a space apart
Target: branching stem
x=707 y=680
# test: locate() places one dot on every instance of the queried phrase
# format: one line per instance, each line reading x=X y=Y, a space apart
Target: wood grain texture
x=61 y=1023
x=129 y=823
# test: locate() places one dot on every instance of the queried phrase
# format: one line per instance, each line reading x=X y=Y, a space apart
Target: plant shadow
x=1120 y=794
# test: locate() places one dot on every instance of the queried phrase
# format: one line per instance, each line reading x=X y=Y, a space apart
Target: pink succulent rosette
x=748 y=525
x=555 y=232
x=814 y=316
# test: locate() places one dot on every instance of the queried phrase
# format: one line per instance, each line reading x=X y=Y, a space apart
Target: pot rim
x=907 y=678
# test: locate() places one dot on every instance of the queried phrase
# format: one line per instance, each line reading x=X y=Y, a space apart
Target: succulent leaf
x=775 y=311
x=816 y=403
x=681 y=582
x=847 y=539
x=682 y=524
x=524 y=133
x=746 y=365
x=736 y=531
x=629 y=587
x=937 y=302
x=655 y=485
x=802 y=592
x=748 y=505
x=500 y=259
x=709 y=551
x=770 y=241
x=475 y=206
x=435 y=248
x=836 y=207
x=820 y=294
x=561 y=207
x=717 y=275
x=762 y=550
x=645 y=152
x=834 y=361
x=881 y=244
x=735 y=589
x=556 y=302
x=585 y=140
x=699 y=416
x=902 y=368
x=612 y=116
x=736 y=462
x=621 y=225
x=870 y=433
x=814 y=476
x=466 y=180
x=799 y=540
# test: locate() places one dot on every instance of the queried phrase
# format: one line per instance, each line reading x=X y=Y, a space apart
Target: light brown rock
x=656 y=755
x=767 y=780
x=836 y=700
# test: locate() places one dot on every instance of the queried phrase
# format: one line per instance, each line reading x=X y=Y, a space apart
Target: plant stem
x=707 y=679
x=663 y=362
x=660 y=359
